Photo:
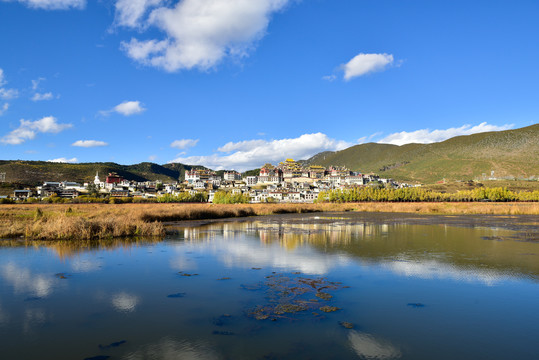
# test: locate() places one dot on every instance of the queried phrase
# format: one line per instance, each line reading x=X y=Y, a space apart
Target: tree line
x=358 y=194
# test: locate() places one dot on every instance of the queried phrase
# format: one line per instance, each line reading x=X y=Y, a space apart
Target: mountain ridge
x=509 y=153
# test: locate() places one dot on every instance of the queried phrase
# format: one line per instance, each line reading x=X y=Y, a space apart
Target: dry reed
x=103 y=221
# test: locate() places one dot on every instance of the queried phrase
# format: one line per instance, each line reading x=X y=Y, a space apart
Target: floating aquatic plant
x=290 y=295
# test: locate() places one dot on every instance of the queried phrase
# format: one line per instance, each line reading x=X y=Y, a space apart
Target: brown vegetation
x=103 y=221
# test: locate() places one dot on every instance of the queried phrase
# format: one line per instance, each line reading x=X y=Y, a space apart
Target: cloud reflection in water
x=368 y=347
x=170 y=349
x=125 y=302
x=85 y=265
x=4 y=318
x=23 y=280
x=433 y=269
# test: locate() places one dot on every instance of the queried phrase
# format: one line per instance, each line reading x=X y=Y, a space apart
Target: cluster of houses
x=289 y=181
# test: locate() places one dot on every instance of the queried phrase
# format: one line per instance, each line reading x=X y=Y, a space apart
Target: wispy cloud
x=28 y=130
x=427 y=136
x=89 y=143
x=5 y=93
x=130 y=13
x=2 y=78
x=41 y=97
x=250 y=154
x=127 y=108
x=8 y=94
x=363 y=64
x=184 y=143
x=198 y=33
x=4 y=108
x=64 y=160
x=36 y=82
x=52 y=4
x=329 y=78
x=365 y=139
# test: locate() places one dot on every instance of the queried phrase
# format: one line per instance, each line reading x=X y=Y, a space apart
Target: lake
x=302 y=286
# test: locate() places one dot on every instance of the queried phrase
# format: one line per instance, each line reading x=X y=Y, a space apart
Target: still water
x=317 y=286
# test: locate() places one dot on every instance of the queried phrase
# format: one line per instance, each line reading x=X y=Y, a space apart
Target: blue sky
x=237 y=83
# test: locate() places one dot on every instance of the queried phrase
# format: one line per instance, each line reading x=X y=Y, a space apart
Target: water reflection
x=171 y=349
x=67 y=249
x=433 y=269
x=407 y=289
x=486 y=254
x=4 y=318
x=24 y=281
x=33 y=318
x=368 y=347
x=84 y=265
x=249 y=254
x=125 y=302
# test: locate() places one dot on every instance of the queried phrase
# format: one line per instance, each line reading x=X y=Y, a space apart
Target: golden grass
x=452 y=208
x=103 y=221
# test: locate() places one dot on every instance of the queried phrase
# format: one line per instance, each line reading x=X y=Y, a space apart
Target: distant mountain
x=36 y=172
x=508 y=153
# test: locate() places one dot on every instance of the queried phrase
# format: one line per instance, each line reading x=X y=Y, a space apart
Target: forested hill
x=510 y=153
x=36 y=172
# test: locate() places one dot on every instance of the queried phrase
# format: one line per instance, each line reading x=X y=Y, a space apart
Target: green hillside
x=511 y=153
x=36 y=172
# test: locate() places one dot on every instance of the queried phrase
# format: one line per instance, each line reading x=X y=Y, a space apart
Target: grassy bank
x=103 y=221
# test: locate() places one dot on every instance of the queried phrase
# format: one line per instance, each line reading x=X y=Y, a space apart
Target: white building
x=251 y=180
x=232 y=176
x=97 y=182
x=354 y=180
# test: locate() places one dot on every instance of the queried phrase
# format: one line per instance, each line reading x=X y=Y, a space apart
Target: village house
x=231 y=176
x=290 y=181
x=22 y=194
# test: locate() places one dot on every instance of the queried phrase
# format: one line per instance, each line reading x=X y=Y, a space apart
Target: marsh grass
x=107 y=221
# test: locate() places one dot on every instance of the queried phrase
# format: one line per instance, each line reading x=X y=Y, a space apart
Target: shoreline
x=108 y=221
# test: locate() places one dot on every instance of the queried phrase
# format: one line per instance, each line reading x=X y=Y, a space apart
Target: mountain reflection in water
x=484 y=253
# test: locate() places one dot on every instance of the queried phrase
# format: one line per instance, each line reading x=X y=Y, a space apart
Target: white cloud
x=52 y=4
x=35 y=83
x=41 y=97
x=199 y=33
x=64 y=160
x=127 y=108
x=246 y=145
x=129 y=13
x=365 y=139
x=254 y=153
x=28 y=130
x=6 y=94
x=363 y=64
x=2 y=80
x=152 y=157
x=89 y=143
x=4 y=108
x=329 y=78
x=427 y=136
x=184 y=143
